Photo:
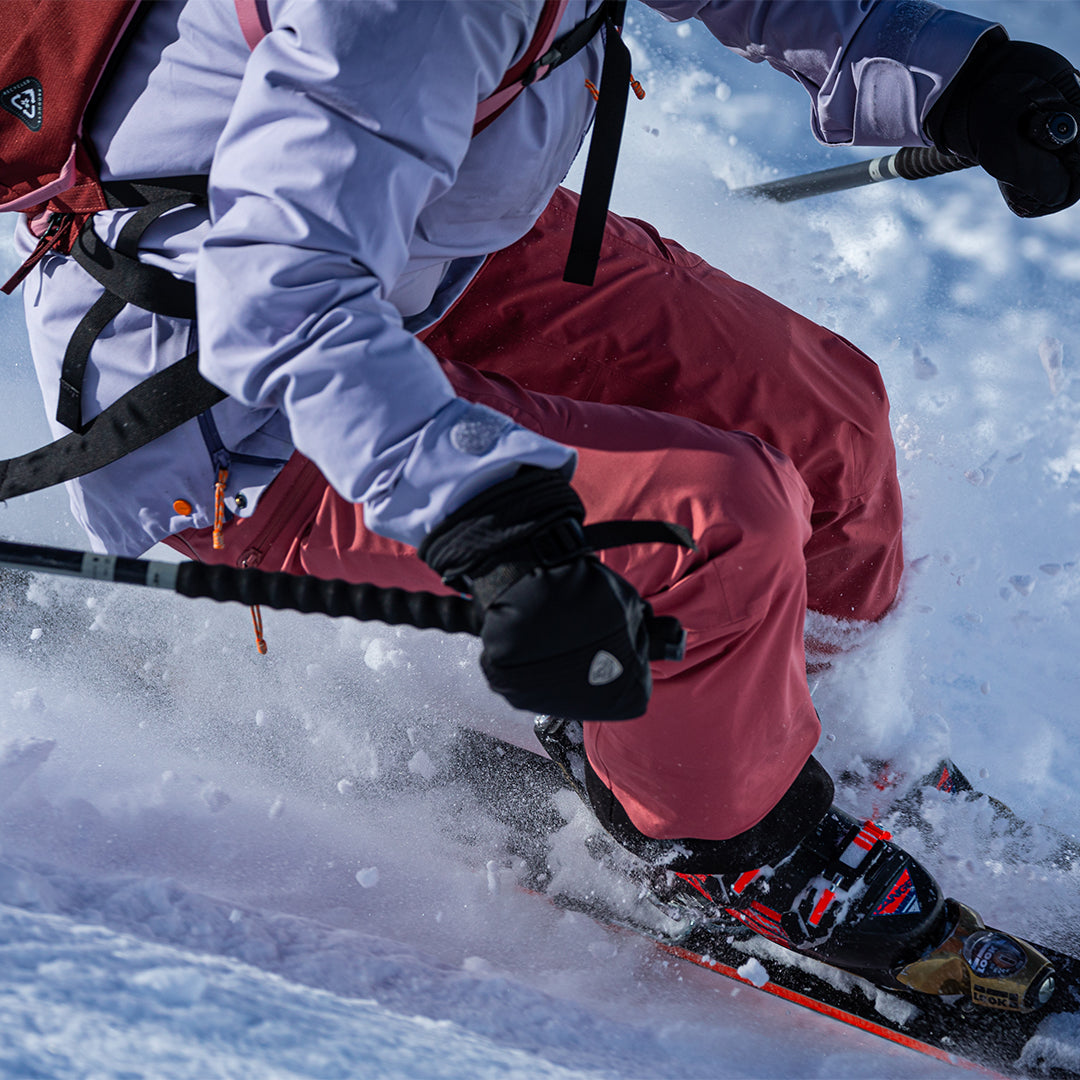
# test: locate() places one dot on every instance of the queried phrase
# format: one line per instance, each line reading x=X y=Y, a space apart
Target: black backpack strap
x=615 y=82
x=603 y=156
x=573 y=41
x=151 y=408
x=154 y=406
x=126 y=280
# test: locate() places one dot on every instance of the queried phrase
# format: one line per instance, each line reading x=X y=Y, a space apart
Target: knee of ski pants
x=742 y=500
x=746 y=507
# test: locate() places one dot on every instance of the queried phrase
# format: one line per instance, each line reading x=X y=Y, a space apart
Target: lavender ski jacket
x=349 y=207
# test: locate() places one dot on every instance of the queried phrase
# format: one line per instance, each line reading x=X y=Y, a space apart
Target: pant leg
x=664 y=330
x=729 y=728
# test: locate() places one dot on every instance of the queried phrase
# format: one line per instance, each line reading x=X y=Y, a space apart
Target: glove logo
x=604 y=669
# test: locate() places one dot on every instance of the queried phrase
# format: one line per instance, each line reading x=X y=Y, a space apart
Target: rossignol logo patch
x=24 y=99
x=901 y=899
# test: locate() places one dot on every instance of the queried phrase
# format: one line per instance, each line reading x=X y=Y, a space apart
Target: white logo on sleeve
x=604 y=669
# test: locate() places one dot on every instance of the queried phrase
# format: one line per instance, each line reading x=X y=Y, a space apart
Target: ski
x=533 y=798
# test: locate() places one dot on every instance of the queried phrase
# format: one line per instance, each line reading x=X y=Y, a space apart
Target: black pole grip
x=919 y=162
x=398 y=607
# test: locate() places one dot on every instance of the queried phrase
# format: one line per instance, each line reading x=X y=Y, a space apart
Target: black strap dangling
x=596 y=186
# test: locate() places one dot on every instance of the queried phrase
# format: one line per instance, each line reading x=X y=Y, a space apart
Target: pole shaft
x=87 y=565
x=909 y=163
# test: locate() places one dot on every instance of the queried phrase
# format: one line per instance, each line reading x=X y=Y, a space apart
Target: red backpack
x=46 y=91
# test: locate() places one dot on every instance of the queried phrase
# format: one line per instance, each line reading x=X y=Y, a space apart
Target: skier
x=417 y=398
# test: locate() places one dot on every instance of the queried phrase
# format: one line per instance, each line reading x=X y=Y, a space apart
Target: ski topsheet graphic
x=523 y=790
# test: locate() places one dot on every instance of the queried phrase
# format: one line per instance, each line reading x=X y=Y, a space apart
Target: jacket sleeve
x=873 y=68
x=349 y=120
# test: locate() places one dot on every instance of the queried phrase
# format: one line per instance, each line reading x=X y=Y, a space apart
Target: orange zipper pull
x=219 y=509
x=639 y=90
x=257 y=622
x=256 y=611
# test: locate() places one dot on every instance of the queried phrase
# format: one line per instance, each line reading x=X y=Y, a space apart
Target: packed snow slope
x=215 y=864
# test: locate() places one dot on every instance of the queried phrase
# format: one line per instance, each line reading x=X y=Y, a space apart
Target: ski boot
x=849 y=897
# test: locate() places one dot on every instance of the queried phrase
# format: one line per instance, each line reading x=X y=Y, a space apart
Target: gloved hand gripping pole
x=291 y=592
x=1052 y=132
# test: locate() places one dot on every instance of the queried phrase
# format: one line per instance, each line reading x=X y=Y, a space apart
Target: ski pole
x=423 y=610
x=908 y=163
x=1050 y=131
x=298 y=592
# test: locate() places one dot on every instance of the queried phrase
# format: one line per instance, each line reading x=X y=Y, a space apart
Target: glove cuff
x=947 y=126
x=532 y=519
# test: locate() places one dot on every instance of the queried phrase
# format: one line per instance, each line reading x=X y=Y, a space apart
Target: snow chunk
x=381 y=656
x=1054 y=1045
x=1022 y=583
x=25 y=889
x=422 y=765
x=18 y=759
x=368 y=877
x=893 y=1007
x=923 y=367
x=753 y=971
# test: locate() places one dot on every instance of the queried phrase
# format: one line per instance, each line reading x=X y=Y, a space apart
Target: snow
x=216 y=864
x=754 y=971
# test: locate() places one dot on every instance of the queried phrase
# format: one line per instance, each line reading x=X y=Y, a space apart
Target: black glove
x=1008 y=109
x=562 y=634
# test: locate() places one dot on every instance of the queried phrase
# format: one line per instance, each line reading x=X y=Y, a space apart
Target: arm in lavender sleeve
x=350 y=120
x=873 y=69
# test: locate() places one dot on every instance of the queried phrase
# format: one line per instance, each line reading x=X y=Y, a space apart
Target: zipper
x=222 y=461
x=299 y=491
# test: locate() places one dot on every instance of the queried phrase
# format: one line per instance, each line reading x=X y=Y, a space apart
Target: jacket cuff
x=895 y=90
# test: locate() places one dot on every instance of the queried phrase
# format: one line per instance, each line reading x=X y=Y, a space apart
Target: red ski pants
x=693 y=398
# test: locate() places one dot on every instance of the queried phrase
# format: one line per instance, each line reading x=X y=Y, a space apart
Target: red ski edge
x=831 y=1011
